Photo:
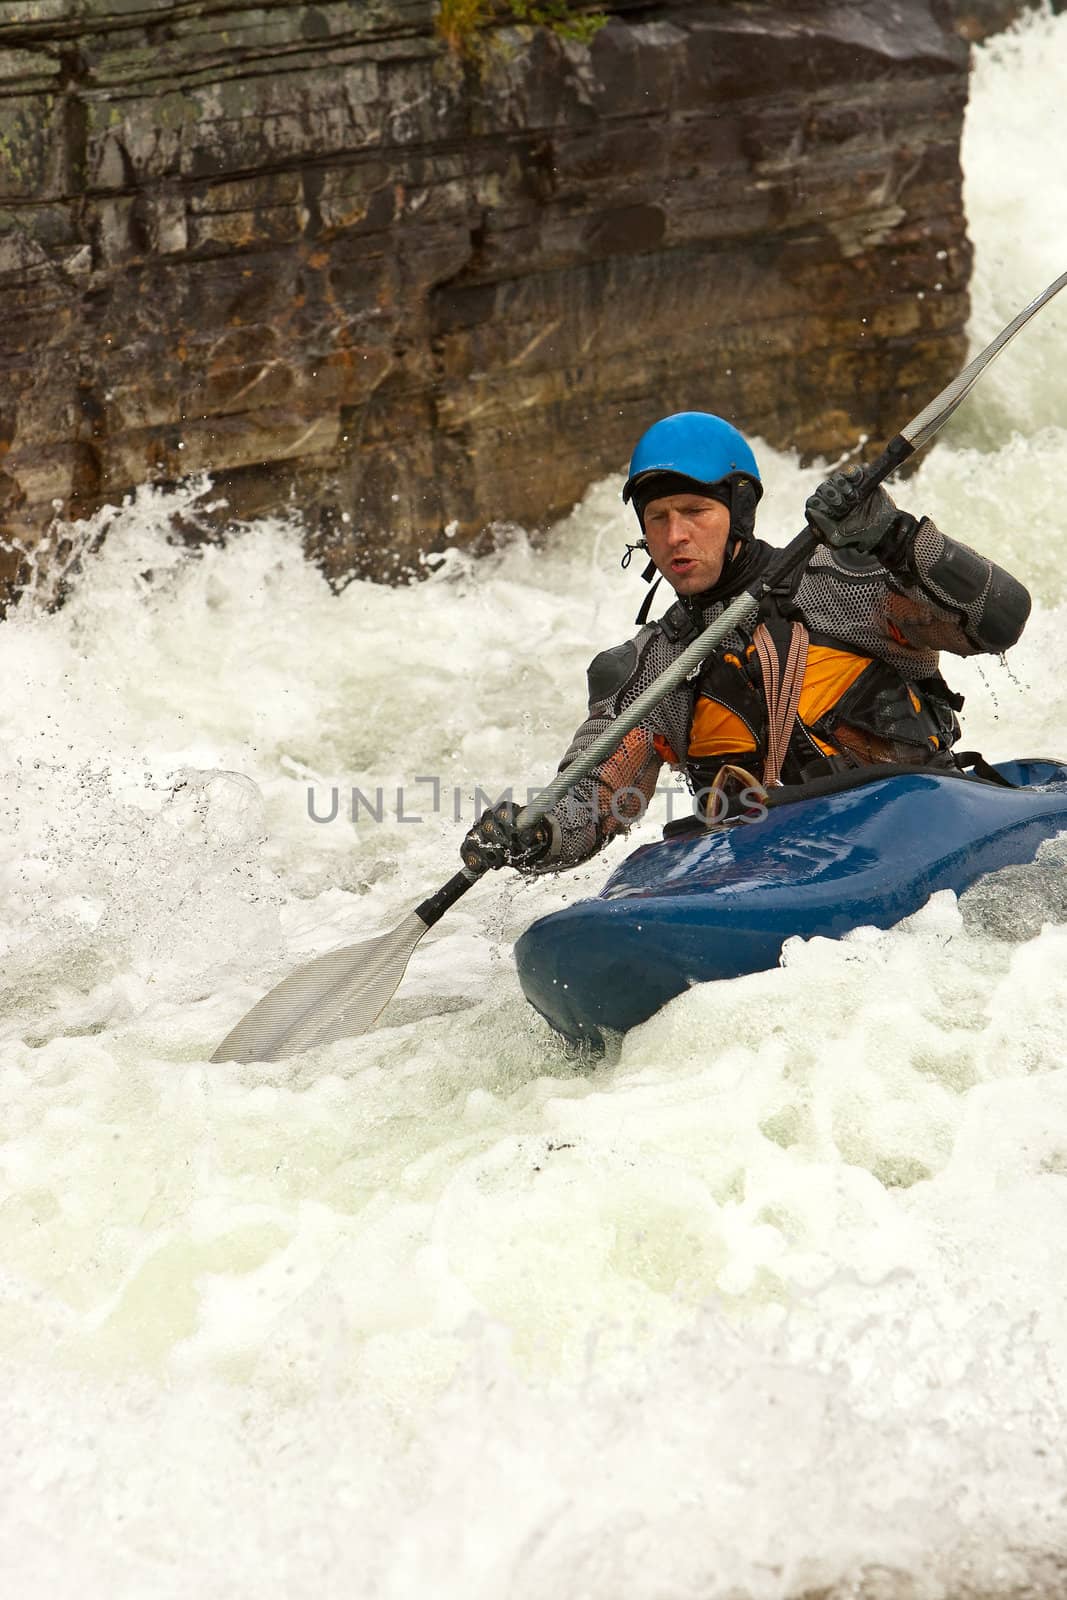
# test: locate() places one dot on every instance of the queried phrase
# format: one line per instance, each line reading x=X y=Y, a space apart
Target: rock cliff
x=310 y=250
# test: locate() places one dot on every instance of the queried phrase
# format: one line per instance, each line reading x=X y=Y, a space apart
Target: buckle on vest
x=732 y=792
x=678 y=624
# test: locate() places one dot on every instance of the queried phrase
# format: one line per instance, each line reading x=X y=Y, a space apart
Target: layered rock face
x=311 y=251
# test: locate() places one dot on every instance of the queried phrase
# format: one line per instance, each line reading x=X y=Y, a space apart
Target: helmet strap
x=646 y=603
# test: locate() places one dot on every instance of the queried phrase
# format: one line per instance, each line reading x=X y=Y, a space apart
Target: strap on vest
x=782 y=691
x=982 y=768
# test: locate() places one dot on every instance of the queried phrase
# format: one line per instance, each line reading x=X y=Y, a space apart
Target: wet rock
x=308 y=250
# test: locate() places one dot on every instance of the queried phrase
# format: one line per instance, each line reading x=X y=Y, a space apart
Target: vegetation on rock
x=459 y=22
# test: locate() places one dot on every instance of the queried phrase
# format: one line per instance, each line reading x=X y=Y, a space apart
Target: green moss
x=26 y=138
x=460 y=22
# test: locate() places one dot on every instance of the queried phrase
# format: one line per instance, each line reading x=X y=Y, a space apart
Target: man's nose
x=677 y=529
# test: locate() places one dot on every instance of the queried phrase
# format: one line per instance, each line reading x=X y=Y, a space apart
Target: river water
x=770 y=1303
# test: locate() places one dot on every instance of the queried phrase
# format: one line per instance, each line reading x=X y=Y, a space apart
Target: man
x=838 y=673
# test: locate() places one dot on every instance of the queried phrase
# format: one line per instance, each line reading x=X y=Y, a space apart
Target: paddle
x=341 y=994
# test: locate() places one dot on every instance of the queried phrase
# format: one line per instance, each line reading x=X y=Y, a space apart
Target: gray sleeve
x=990 y=606
x=615 y=795
x=916 y=594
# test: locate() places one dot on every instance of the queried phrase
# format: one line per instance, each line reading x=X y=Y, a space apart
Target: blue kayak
x=719 y=902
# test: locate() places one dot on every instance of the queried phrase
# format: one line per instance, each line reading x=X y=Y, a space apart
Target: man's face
x=687 y=535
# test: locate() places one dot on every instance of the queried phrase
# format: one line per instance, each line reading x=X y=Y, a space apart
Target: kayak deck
x=718 y=903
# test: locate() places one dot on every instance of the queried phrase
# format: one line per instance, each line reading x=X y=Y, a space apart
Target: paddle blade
x=336 y=996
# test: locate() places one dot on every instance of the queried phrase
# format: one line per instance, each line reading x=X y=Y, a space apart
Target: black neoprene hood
x=656 y=485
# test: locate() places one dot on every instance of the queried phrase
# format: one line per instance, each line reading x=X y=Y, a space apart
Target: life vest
x=852 y=710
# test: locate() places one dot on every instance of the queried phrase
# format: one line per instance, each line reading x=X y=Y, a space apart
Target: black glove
x=495 y=841
x=846 y=514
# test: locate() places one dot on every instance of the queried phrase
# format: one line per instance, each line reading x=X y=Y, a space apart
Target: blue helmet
x=694 y=445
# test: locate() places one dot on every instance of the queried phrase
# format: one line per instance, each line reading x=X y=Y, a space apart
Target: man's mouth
x=682 y=564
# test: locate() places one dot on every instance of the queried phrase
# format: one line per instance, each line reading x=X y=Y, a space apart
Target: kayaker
x=858 y=634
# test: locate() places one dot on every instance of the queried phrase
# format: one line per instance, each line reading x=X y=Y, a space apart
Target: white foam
x=772 y=1301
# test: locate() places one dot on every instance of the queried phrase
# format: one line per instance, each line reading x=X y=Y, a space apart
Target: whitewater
x=770 y=1303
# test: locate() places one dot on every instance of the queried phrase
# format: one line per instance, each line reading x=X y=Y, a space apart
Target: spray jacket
x=861 y=636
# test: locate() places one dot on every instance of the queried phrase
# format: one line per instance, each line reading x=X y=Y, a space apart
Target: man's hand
x=496 y=841
x=845 y=514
